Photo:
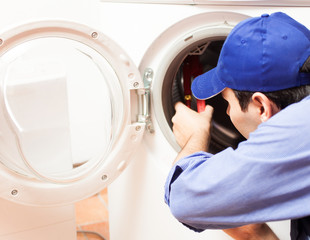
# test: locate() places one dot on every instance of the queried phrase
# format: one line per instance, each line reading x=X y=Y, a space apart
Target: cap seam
x=307 y=35
x=264 y=51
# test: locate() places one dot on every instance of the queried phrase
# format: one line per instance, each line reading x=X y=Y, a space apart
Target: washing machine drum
x=65 y=116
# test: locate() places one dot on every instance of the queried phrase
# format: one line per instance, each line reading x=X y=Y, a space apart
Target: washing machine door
x=67 y=121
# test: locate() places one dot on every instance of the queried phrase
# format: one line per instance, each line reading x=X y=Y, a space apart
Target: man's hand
x=252 y=232
x=191 y=129
x=187 y=122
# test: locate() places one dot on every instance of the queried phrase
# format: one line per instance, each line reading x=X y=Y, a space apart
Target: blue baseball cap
x=262 y=54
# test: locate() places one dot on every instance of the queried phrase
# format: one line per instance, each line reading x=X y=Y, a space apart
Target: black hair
x=281 y=98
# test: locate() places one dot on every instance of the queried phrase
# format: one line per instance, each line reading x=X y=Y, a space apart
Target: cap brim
x=207 y=85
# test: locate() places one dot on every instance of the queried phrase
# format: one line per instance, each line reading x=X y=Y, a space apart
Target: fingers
x=180 y=106
x=181 y=110
x=208 y=111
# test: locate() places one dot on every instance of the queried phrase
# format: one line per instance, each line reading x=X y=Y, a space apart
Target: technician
x=263 y=72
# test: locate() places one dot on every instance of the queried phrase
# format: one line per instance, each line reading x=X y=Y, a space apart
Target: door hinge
x=144 y=100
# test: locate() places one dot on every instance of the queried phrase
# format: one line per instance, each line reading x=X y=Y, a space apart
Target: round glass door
x=58 y=96
x=65 y=103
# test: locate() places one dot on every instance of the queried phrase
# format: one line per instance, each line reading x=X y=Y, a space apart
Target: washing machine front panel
x=67 y=121
x=205 y=25
x=196 y=40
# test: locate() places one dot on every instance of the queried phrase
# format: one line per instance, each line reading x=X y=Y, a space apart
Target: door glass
x=59 y=101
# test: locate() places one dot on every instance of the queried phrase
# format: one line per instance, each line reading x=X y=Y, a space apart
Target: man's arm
x=260 y=231
x=191 y=129
x=192 y=132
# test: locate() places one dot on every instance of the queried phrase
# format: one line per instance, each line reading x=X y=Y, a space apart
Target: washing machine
x=172 y=41
x=87 y=93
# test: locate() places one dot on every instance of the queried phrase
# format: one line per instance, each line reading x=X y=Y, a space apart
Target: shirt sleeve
x=267 y=178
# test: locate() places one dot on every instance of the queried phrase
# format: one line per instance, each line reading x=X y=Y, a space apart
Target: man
x=263 y=73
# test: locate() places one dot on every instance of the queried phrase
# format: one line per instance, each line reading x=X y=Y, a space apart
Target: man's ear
x=265 y=107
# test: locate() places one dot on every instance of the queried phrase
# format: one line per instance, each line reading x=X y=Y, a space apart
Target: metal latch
x=144 y=100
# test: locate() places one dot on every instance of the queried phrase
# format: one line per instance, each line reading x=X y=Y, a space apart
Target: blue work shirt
x=266 y=178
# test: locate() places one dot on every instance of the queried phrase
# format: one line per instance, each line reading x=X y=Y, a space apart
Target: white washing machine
x=164 y=39
x=76 y=109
